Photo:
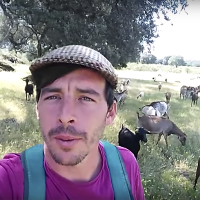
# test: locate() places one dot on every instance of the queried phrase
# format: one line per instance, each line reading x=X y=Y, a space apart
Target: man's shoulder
x=11 y=176
x=10 y=164
x=10 y=160
x=127 y=156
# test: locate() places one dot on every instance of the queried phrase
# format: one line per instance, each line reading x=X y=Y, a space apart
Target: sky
x=183 y=37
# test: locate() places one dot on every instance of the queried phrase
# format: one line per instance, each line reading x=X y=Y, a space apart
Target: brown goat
x=168 y=96
x=197 y=174
x=161 y=126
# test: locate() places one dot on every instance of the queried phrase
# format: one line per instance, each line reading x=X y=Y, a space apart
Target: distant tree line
x=117 y=28
x=174 y=60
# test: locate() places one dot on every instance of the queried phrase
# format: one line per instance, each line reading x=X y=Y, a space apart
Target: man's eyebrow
x=88 y=91
x=50 y=90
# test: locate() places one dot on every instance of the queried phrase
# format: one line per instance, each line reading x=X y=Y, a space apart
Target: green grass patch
x=166 y=173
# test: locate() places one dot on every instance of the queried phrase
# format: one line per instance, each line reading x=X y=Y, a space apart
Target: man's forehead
x=82 y=75
x=78 y=80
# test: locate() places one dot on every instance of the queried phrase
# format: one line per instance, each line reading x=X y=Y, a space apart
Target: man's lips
x=66 y=137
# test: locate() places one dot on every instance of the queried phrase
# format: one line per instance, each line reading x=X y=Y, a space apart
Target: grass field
x=166 y=174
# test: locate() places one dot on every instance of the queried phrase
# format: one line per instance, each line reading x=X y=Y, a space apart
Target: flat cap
x=80 y=55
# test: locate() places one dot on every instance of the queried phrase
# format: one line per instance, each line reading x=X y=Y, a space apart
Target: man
x=75 y=102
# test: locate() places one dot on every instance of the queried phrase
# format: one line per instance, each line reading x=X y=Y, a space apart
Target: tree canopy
x=148 y=59
x=176 y=61
x=117 y=28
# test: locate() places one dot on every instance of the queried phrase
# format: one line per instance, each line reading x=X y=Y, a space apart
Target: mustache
x=70 y=130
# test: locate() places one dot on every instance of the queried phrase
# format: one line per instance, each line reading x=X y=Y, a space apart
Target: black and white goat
x=157 y=108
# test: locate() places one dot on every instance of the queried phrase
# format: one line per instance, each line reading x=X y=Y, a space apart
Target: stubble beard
x=76 y=158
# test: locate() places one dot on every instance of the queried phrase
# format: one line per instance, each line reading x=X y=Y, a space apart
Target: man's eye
x=86 y=99
x=51 y=97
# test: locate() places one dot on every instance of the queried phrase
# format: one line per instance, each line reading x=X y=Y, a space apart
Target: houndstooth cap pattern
x=80 y=55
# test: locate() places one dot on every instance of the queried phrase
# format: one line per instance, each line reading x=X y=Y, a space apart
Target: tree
x=148 y=59
x=165 y=60
x=116 y=28
x=193 y=63
x=159 y=61
x=177 y=61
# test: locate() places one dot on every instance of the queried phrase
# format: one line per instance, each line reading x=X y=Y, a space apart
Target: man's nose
x=67 y=113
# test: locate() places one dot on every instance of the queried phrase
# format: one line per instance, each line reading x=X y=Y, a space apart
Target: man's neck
x=85 y=171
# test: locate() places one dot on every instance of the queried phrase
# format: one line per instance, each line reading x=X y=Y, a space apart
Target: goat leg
x=166 y=115
x=159 y=137
x=197 y=174
x=165 y=137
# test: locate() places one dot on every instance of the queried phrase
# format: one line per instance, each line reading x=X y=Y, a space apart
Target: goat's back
x=155 y=124
x=129 y=140
x=29 y=88
x=160 y=106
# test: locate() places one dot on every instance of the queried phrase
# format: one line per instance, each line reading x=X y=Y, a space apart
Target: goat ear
x=122 y=126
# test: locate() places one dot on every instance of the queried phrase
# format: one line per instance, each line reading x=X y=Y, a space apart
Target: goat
x=190 y=91
x=197 y=174
x=183 y=91
x=13 y=59
x=194 y=97
x=121 y=88
x=149 y=110
x=28 y=90
x=120 y=97
x=161 y=126
x=159 y=86
x=131 y=141
x=141 y=94
x=168 y=97
x=126 y=82
x=161 y=108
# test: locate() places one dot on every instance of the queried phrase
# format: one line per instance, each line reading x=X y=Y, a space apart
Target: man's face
x=73 y=113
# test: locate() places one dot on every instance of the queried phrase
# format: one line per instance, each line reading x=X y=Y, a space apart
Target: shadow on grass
x=19 y=135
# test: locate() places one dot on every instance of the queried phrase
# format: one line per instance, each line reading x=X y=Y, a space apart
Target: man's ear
x=111 y=114
x=36 y=110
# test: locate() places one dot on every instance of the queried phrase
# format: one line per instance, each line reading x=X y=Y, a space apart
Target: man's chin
x=68 y=158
